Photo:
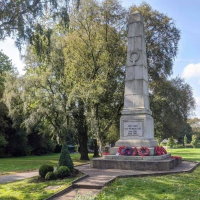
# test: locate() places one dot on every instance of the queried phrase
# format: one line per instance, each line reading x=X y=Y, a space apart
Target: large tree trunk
x=83 y=139
x=81 y=126
x=96 y=150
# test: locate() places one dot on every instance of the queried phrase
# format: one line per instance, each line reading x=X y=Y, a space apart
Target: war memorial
x=136 y=149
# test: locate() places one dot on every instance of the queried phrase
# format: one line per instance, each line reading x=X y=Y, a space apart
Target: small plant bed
x=34 y=188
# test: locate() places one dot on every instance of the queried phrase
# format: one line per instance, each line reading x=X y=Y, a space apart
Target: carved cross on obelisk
x=136 y=123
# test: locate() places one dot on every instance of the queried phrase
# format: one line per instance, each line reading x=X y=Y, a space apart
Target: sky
x=186 y=16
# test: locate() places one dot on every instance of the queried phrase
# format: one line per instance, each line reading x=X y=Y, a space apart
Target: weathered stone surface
x=123 y=158
x=136 y=122
x=154 y=165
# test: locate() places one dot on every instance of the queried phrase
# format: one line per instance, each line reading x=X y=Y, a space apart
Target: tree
x=195 y=124
x=20 y=18
x=5 y=122
x=185 y=140
x=194 y=141
x=80 y=123
x=95 y=53
x=171 y=102
x=42 y=104
x=162 y=39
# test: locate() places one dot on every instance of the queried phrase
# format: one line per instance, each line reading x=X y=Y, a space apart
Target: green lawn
x=27 y=163
x=185 y=186
x=187 y=154
x=31 y=189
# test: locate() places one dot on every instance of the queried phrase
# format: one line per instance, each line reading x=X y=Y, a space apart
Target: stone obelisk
x=136 y=123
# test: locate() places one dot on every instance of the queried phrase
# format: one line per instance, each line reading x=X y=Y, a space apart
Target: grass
x=187 y=153
x=183 y=186
x=31 y=189
x=27 y=163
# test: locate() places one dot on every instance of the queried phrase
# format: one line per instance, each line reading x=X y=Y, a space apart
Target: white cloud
x=191 y=71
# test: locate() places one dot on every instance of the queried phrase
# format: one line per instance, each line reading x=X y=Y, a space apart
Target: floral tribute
x=159 y=150
x=127 y=151
x=142 y=151
x=176 y=157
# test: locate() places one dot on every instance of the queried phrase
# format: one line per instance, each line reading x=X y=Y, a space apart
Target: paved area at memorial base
x=98 y=178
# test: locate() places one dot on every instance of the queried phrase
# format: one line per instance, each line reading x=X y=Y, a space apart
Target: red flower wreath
x=135 y=151
x=143 y=151
x=127 y=151
x=120 y=150
x=159 y=150
x=176 y=157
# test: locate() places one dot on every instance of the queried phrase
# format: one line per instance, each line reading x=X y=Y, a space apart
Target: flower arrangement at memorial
x=127 y=151
x=159 y=150
x=176 y=157
x=142 y=151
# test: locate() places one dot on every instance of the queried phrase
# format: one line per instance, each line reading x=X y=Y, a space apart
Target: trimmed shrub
x=171 y=143
x=62 y=172
x=185 y=140
x=44 y=169
x=194 y=141
x=65 y=159
x=50 y=176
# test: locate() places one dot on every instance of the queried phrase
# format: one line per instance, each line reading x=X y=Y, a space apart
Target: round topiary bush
x=44 y=169
x=50 y=176
x=62 y=172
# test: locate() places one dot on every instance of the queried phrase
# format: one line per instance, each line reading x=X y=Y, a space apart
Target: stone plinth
x=123 y=158
x=153 y=164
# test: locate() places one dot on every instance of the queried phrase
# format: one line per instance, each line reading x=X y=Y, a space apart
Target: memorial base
x=154 y=163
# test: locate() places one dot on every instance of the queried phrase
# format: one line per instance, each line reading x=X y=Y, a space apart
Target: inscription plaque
x=133 y=128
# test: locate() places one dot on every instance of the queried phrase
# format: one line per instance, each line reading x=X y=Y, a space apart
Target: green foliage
x=65 y=159
x=171 y=103
x=62 y=172
x=194 y=141
x=171 y=143
x=185 y=140
x=3 y=143
x=195 y=125
x=21 y=18
x=162 y=37
x=50 y=176
x=113 y=134
x=5 y=66
x=44 y=169
x=96 y=40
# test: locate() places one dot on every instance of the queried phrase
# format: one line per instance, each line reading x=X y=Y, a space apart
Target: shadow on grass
x=172 y=187
x=9 y=198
